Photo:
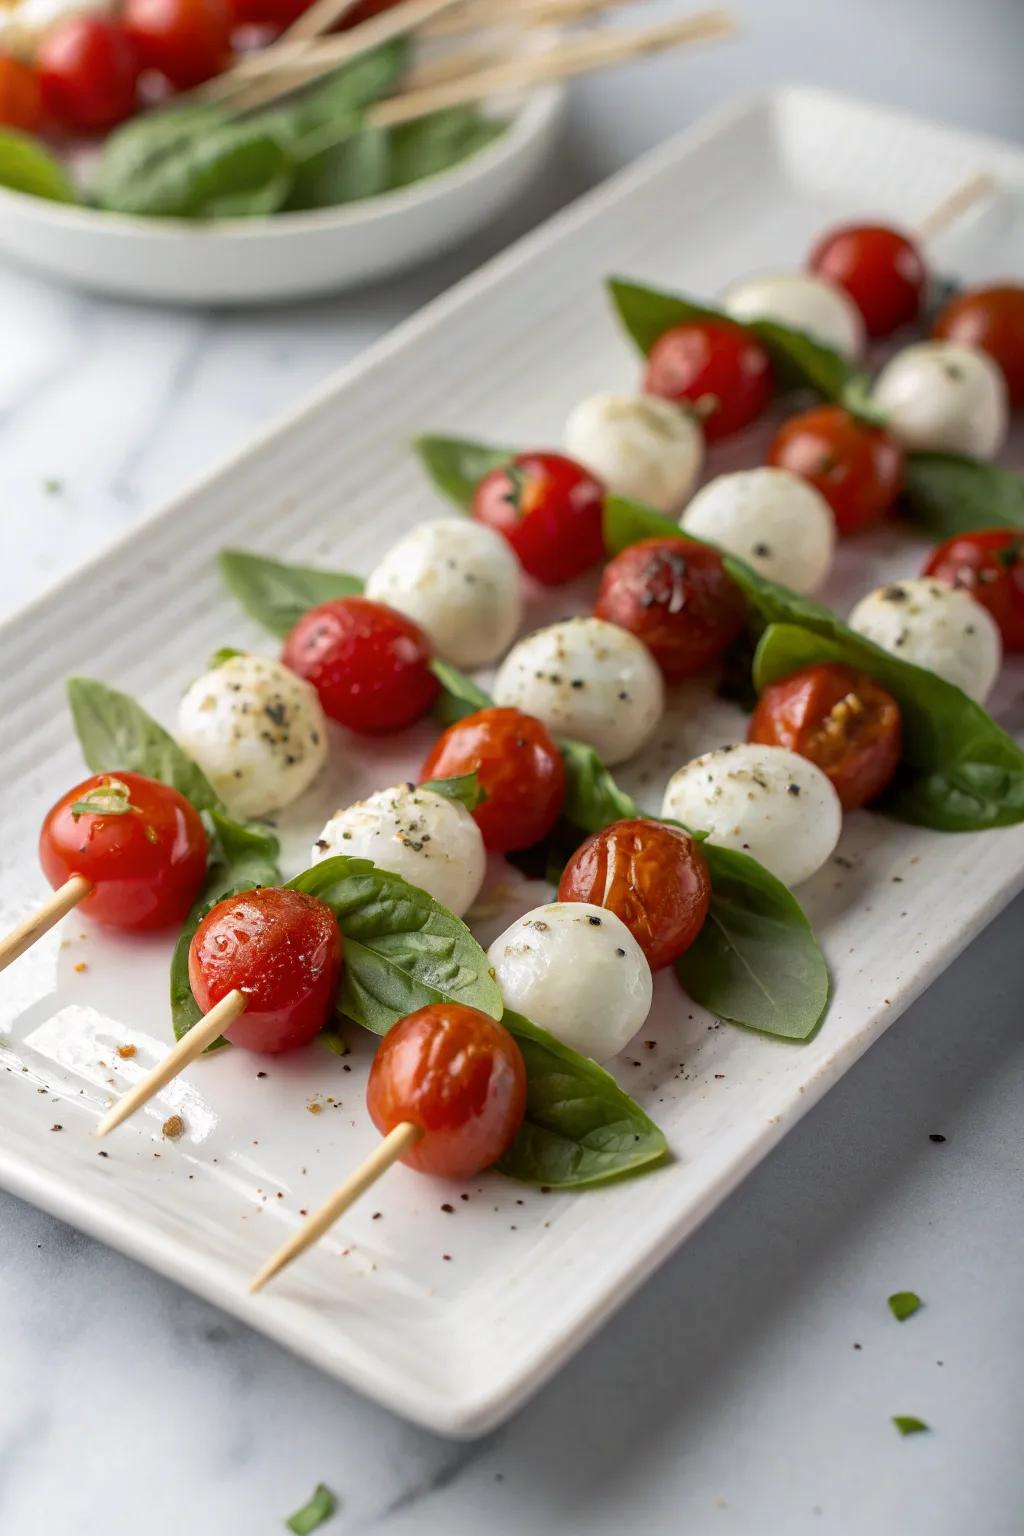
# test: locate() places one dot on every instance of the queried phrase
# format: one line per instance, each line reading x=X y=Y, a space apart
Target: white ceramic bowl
x=288 y=256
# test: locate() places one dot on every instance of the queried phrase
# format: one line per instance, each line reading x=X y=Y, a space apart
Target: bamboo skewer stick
x=394 y=1144
x=63 y=900
x=480 y=14
x=347 y=46
x=955 y=204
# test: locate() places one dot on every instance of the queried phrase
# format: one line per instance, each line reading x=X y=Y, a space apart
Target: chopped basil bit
x=111 y=798
x=334 y=1040
x=318 y=1509
x=225 y=653
x=903 y=1304
x=907 y=1424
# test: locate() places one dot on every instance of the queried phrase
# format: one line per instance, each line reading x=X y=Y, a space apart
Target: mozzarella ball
x=935 y=626
x=25 y=23
x=429 y=840
x=587 y=679
x=640 y=446
x=256 y=730
x=805 y=303
x=944 y=398
x=772 y=519
x=576 y=970
x=459 y=581
x=766 y=801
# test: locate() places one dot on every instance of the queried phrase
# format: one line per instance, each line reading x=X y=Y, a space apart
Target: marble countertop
x=749 y=1387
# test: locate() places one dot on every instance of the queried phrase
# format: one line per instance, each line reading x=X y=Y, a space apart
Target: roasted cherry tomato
x=857 y=468
x=990 y=566
x=882 y=271
x=675 y=596
x=460 y=1077
x=282 y=949
x=21 y=100
x=720 y=369
x=838 y=719
x=991 y=319
x=549 y=508
x=650 y=875
x=188 y=41
x=87 y=72
x=140 y=843
x=519 y=768
x=369 y=664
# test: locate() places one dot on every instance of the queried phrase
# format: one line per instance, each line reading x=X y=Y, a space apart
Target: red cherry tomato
x=990 y=566
x=993 y=320
x=519 y=769
x=460 y=1077
x=840 y=720
x=21 y=101
x=140 y=842
x=882 y=271
x=369 y=664
x=549 y=509
x=652 y=876
x=715 y=365
x=186 y=40
x=857 y=468
x=675 y=596
x=87 y=73
x=283 y=950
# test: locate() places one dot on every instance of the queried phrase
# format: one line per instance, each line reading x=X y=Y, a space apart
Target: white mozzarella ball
x=772 y=519
x=640 y=446
x=576 y=970
x=256 y=730
x=459 y=580
x=25 y=23
x=805 y=303
x=587 y=679
x=935 y=626
x=429 y=840
x=766 y=801
x=941 y=397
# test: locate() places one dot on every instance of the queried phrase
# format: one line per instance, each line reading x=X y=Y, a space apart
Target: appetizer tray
x=451 y=1307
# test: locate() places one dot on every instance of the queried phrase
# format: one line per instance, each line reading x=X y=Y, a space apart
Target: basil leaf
x=131 y=153
x=221 y=655
x=402 y=949
x=351 y=88
x=903 y=1304
x=581 y=1128
x=277 y=595
x=465 y=788
x=268 y=197
x=314 y=1512
x=457 y=466
x=428 y=145
x=25 y=166
x=460 y=695
x=199 y=168
x=908 y=1425
x=948 y=493
x=357 y=167
x=592 y=798
x=117 y=734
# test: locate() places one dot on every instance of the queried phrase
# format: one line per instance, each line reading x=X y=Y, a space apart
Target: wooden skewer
x=955 y=204
x=220 y=1017
x=394 y=1144
x=479 y=14
x=64 y=899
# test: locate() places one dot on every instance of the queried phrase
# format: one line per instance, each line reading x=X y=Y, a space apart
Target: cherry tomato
x=87 y=72
x=840 y=720
x=991 y=319
x=460 y=1077
x=650 y=875
x=717 y=367
x=990 y=566
x=519 y=769
x=857 y=468
x=675 y=596
x=882 y=271
x=186 y=40
x=283 y=950
x=140 y=842
x=549 y=508
x=21 y=100
x=369 y=664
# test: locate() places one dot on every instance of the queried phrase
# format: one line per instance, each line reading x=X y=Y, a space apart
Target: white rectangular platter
x=453 y=1319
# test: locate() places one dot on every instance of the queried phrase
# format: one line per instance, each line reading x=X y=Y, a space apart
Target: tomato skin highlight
x=88 y=72
x=549 y=509
x=146 y=861
x=882 y=271
x=840 y=720
x=652 y=876
x=282 y=949
x=677 y=597
x=21 y=100
x=991 y=319
x=857 y=468
x=989 y=564
x=188 y=41
x=714 y=362
x=457 y=1074
x=369 y=664
x=519 y=767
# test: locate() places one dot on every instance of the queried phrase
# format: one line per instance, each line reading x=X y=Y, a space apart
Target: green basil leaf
x=351 y=88
x=252 y=202
x=903 y=1304
x=428 y=145
x=199 y=169
x=116 y=734
x=460 y=695
x=133 y=151
x=25 y=166
x=221 y=655
x=402 y=949
x=908 y=1425
x=948 y=493
x=592 y=798
x=457 y=466
x=581 y=1128
x=314 y=1512
x=344 y=172
x=465 y=788
x=276 y=595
